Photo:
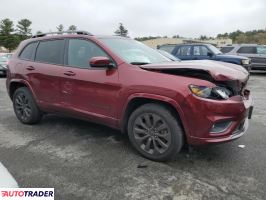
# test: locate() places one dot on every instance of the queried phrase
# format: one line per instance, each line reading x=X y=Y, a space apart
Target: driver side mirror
x=210 y=54
x=101 y=62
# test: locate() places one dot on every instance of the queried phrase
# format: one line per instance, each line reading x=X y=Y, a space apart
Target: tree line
x=249 y=37
x=11 y=35
x=254 y=36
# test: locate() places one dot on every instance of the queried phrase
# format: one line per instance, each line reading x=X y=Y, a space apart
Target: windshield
x=214 y=49
x=134 y=52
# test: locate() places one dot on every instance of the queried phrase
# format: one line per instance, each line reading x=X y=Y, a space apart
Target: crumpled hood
x=219 y=71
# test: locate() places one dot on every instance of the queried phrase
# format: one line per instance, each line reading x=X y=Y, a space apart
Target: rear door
x=86 y=91
x=46 y=72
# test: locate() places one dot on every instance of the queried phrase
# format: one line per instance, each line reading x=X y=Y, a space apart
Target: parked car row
x=161 y=102
x=204 y=52
x=257 y=53
x=250 y=56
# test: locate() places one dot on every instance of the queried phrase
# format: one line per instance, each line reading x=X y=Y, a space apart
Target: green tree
x=24 y=27
x=9 y=41
x=121 y=31
x=39 y=32
x=6 y=27
x=72 y=28
x=235 y=34
x=7 y=38
x=60 y=27
x=203 y=37
x=176 y=36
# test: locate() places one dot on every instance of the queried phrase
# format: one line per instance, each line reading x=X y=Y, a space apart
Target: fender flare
x=23 y=82
x=156 y=97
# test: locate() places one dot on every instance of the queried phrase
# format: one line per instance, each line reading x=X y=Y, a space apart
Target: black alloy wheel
x=155 y=132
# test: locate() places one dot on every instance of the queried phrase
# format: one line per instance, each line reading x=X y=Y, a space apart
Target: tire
x=155 y=133
x=25 y=106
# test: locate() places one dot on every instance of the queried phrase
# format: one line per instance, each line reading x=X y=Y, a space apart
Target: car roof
x=70 y=34
x=45 y=37
x=240 y=45
x=188 y=44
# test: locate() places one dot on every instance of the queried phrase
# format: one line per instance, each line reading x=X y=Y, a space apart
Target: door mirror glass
x=101 y=62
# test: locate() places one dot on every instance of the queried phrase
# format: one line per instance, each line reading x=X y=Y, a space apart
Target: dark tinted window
x=248 y=50
x=226 y=49
x=81 y=51
x=51 y=51
x=28 y=52
x=183 y=51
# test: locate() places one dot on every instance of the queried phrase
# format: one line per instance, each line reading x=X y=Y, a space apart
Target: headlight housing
x=245 y=62
x=218 y=93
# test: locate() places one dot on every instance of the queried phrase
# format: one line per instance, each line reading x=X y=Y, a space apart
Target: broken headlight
x=218 y=93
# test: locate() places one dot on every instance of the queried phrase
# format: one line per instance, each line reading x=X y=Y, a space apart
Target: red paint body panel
x=102 y=95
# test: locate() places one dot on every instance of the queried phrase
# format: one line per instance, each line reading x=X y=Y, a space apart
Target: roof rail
x=61 y=33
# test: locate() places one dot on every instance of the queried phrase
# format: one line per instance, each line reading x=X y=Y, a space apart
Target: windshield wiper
x=139 y=63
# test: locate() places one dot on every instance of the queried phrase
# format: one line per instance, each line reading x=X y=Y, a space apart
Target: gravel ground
x=83 y=160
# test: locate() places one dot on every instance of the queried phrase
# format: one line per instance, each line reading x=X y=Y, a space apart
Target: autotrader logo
x=27 y=193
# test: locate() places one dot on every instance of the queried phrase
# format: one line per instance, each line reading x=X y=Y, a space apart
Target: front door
x=86 y=91
x=201 y=52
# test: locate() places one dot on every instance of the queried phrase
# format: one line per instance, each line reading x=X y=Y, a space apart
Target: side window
x=29 y=51
x=81 y=51
x=183 y=51
x=226 y=49
x=200 y=51
x=204 y=51
x=51 y=51
x=261 y=50
x=247 y=50
x=196 y=50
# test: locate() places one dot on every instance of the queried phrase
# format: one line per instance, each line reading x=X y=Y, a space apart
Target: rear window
x=247 y=50
x=226 y=49
x=51 y=51
x=28 y=52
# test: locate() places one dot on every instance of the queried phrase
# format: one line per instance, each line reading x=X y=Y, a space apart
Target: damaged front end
x=227 y=85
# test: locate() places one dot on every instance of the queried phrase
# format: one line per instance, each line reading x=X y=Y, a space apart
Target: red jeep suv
x=119 y=82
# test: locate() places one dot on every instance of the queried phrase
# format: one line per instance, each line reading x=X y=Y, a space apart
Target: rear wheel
x=25 y=106
x=155 y=132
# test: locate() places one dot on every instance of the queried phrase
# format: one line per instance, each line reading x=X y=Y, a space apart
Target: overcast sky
x=188 y=18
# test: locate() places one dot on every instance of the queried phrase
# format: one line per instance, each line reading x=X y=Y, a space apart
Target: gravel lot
x=82 y=160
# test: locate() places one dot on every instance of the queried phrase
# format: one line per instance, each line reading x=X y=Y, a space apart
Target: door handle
x=30 y=68
x=70 y=73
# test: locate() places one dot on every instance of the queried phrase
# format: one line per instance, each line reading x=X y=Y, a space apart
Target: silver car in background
x=3 y=63
x=257 y=53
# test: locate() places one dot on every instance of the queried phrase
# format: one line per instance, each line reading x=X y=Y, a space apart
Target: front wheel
x=25 y=106
x=155 y=132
